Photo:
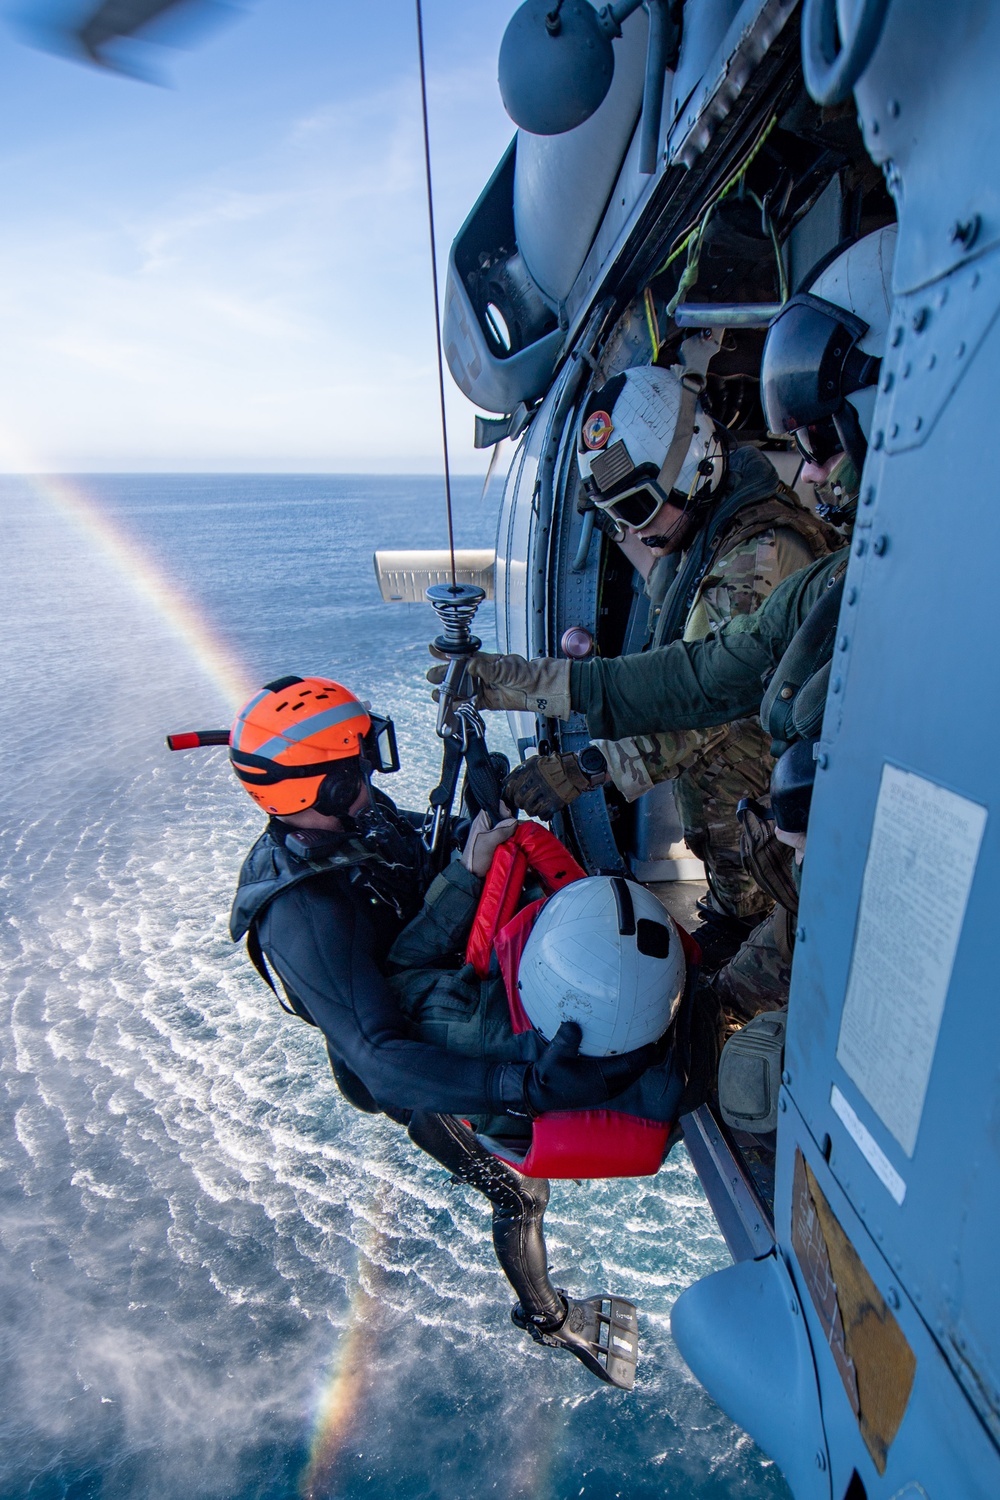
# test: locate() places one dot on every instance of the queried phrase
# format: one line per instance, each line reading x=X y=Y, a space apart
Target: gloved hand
x=545 y=784
x=562 y=1079
x=540 y=686
x=483 y=842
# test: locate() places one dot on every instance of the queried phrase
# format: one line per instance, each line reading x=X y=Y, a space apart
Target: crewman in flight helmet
x=712 y=530
x=336 y=897
x=819 y=377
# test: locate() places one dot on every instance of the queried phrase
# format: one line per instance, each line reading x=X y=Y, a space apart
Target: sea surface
x=216 y=1278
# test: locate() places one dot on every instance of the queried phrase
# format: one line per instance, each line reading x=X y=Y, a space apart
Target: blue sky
x=232 y=272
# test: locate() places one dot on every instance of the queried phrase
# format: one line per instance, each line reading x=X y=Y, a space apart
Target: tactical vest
x=793 y=705
x=392 y=876
x=738 y=518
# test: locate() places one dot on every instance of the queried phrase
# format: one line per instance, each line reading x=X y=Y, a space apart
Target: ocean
x=217 y=1279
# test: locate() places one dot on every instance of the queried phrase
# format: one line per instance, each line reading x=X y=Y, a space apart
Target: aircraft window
x=498 y=326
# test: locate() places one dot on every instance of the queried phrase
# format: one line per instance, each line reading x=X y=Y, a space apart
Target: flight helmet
x=299 y=743
x=645 y=439
x=604 y=953
x=823 y=352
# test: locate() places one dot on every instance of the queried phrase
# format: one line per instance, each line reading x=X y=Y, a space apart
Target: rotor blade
x=114 y=33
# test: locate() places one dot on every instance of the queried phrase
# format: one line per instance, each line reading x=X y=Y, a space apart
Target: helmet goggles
x=631 y=494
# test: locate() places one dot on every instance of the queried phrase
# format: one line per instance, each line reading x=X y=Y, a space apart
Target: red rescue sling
x=567 y=1143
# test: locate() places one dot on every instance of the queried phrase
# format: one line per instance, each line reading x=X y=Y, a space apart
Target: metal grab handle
x=831 y=75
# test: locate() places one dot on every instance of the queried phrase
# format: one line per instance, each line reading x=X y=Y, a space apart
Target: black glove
x=562 y=1079
x=546 y=784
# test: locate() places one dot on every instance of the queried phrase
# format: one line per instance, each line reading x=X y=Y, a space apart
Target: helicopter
x=855 y=1337
x=687 y=166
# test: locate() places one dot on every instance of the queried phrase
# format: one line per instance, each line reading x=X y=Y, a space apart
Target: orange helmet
x=291 y=736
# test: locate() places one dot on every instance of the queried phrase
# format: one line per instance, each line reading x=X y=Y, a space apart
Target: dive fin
x=602 y=1331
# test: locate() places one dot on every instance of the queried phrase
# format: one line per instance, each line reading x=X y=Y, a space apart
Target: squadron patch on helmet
x=597 y=429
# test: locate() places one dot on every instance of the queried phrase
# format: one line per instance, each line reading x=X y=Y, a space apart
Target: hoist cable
x=434 y=278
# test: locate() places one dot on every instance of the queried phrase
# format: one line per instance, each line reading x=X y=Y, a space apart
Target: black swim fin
x=602 y=1331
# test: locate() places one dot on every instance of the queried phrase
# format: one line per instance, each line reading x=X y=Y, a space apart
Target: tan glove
x=540 y=686
x=483 y=842
x=545 y=784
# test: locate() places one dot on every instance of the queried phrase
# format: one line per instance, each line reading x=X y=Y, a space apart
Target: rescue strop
x=566 y=1143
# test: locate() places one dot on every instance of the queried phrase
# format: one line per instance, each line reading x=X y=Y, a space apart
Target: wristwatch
x=593 y=765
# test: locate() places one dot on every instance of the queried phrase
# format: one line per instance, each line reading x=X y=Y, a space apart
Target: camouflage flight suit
x=766 y=538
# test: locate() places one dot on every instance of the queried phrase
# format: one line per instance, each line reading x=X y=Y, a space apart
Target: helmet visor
x=818 y=442
x=811 y=362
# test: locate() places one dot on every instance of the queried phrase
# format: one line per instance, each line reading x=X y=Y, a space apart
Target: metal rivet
x=860 y=547
x=822 y=760
x=787 y=692
x=786 y=1077
x=892 y=1297
x=852 y=596
x=800 y=934
x=879 y=545
x=920 y=319
x=893 y=108
x=836 y=685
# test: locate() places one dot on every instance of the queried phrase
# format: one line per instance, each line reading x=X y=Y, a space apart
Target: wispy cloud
x=273 y=301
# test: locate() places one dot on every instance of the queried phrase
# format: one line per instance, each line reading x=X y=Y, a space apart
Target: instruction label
x=921 y=860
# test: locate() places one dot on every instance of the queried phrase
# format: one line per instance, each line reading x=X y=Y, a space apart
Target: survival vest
x=566 y=1143
x=390 y=866
x=758 y=502
x=793 y=705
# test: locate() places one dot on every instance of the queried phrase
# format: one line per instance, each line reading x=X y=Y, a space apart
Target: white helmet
x=820 y=368
x=604 y=953
x=646 y=439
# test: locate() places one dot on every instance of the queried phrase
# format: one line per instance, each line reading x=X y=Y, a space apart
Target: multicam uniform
x=699 y=685
x=757 y=534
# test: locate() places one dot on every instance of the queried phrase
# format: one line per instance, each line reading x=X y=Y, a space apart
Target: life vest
x=577 y=1143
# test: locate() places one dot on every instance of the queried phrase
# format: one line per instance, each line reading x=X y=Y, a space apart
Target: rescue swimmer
x=337 y=897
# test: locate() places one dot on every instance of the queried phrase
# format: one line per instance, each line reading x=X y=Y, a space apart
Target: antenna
x=434 y=279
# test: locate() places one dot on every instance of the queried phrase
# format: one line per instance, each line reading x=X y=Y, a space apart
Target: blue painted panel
x=742 y=1332
x=916 y=686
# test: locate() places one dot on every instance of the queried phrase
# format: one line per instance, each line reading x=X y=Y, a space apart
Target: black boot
x=519 y=1205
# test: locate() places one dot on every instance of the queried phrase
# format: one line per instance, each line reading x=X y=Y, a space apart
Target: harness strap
x=256 y=955
x=530 y=847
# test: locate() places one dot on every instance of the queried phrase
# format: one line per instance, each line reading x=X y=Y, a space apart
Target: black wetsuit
x=325 y=925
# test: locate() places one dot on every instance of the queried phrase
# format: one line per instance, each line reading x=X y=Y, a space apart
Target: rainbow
x=146 y=579
x=351 y=1377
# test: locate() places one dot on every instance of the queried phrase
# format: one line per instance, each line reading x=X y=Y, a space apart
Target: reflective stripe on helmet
x=302 y=729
